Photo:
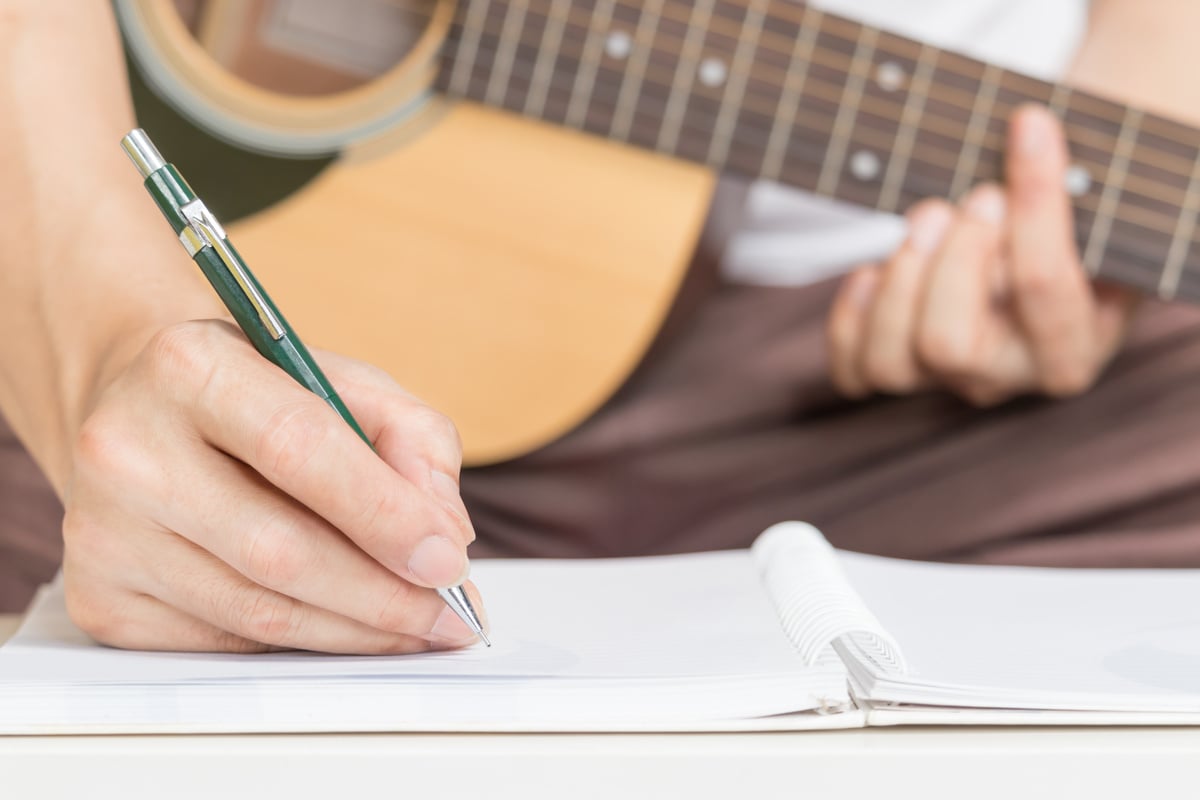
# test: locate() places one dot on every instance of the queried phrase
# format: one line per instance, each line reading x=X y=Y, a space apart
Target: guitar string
x=1133 y=214
x=1105 y=110
x=884 y=107
x=1135 y=186
x=929 y=186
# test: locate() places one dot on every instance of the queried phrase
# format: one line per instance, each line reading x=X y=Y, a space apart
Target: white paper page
x=671 y=643
x=670 y=617
x=1037 y=638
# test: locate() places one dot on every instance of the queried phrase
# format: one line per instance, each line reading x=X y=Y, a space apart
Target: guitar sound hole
x=307 y=48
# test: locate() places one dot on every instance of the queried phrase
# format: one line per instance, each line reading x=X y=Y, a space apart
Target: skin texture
x=213 y=504
x=987 y=297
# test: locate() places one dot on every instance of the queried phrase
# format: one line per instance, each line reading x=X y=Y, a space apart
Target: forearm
x=87 y=270
x=1142 y=53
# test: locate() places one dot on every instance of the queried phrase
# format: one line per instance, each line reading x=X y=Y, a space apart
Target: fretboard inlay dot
x=1077 y=180
x=713 y=72
x=865 y=165
x=618 y=45
x=779 y=89
x=890 y=76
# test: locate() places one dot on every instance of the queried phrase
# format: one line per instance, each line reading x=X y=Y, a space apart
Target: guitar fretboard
x=777 y=90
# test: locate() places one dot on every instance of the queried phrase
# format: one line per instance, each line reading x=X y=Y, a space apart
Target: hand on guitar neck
x=987 y=299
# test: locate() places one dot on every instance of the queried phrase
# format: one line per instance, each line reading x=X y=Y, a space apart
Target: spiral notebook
x=790 y=634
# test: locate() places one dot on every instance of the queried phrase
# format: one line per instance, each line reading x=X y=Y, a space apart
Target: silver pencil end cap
x=142 y=152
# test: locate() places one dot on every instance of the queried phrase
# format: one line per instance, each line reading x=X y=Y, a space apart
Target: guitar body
x=511 y=269
x=509 y=273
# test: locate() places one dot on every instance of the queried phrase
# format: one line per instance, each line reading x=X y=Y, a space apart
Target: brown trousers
x=731 y=425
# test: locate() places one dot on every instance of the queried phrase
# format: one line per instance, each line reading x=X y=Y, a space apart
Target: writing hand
x=215 y=504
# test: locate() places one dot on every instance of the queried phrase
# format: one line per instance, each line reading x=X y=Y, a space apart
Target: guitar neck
x=776 y=90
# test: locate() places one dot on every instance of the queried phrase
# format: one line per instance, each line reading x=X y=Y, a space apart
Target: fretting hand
x=987 y=299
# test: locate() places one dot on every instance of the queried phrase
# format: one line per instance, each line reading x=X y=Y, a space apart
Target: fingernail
x=927 y=228
x=986 y=203
x=1035 y=129
x=862 y=287
x=449 y=627
x=447 y=489
x=444 y=486
x=438 y=562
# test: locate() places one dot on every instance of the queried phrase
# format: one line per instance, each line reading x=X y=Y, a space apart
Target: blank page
x=677 y=637
x=1024 y=637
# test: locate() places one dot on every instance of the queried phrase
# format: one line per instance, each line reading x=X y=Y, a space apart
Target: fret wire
x=1060 y=100
x=788 y=106
x=685 y=70
x=1118 y=169
x=1083 y=136
x=735 y=86
x=855 y=137
x=1116 y=248
x=914 y=107
x=847 y=111
x=639 y=59
x=1135 y=214
x=547 y=57
x=501 y=72
x=1182 y=238
x=589 y=65
x=464 y=66
x=794 y=15
x=968 y=156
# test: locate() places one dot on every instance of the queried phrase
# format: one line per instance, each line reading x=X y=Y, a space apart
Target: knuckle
x=270 y=555
x=983 y=397
x=1068 y=380
x=381 y=517
x=439 y=427
x=290 y=437
x=889 y=373
x=395 y=614
x=103 y=449
x=182 y=354
x=85 y=541
x=943 y=351
x=92 y=615
x=370 y=373
x=226 y=642
x=1033 y=280
x=268 y=617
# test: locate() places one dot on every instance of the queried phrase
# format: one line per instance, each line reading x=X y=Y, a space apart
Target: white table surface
x=980 y=763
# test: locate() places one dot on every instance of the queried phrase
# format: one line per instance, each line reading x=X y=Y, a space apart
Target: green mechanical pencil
x=205 y=241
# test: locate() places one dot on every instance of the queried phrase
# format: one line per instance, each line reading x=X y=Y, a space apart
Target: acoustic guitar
x=523 y=190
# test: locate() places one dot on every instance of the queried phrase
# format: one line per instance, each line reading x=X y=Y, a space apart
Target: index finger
x=1052 y=294
x=256 y=413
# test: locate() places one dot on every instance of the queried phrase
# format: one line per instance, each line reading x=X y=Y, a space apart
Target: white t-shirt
x=789 y=237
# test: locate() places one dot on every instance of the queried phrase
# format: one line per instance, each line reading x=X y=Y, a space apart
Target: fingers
x=933 y=316
x=142 y=622
x=196 y=583
x=889 y=361
x=418 y=442
x=1052 y=294
x=846 y=331
x=278 y=544
x=259 y=415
